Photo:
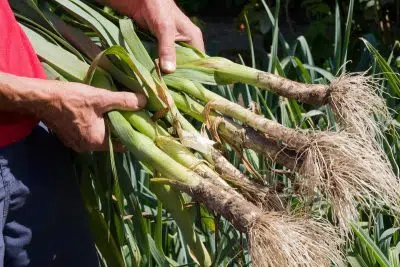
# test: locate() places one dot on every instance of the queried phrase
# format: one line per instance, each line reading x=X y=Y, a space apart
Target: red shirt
x=16 y=57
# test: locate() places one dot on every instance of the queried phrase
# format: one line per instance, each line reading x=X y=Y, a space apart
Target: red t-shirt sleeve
x=16 y=57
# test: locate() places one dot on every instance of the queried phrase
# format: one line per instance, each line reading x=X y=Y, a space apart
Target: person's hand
x=168 y=23
x=75 y=112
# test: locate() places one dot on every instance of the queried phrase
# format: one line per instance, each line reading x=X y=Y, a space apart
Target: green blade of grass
x=105 y=243
x=364 y=238
x=337 y=53
x=349 y=22
x=391 y=76
x=306 y=52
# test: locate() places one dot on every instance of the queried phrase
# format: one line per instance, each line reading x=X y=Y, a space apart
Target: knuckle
x=127 y=101
x=98 y=100
x=164 y=25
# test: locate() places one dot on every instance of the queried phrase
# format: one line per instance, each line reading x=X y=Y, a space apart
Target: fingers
x=197 y=39
x=190 y=32
x=165 y=34
x=122 y=101
x=169 y=24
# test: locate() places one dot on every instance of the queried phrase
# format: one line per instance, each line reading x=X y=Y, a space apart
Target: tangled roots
x=350 y=171
x=355 y=99
x=287 y=241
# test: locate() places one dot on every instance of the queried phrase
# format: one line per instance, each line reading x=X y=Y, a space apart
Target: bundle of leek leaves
x=176 y=164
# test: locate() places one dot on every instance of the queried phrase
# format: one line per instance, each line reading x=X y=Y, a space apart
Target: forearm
x=26 y=95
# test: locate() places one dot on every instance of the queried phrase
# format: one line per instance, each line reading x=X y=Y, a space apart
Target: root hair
x=350 y=171
x=356 y=99
x=289 y=241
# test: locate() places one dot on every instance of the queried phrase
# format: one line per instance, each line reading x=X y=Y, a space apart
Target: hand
x=75 y=112
x=168 y=23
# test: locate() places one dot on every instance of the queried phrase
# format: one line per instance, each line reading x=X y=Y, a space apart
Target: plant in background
x=377 y=21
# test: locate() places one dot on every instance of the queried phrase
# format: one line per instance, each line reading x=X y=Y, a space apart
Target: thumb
x=166 y=47
x=124 y=101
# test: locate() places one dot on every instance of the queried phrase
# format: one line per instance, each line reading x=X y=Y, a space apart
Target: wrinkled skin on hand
x=76 y=114
x=166 y=21
x=74 y=111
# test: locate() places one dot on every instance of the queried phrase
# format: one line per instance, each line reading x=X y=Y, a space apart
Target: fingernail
x=168 y=66
x=142 y=100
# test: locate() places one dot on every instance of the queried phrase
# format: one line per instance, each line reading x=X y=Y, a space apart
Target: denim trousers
x=42 y=216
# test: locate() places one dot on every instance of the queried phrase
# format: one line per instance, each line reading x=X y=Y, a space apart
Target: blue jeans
x=42 y=216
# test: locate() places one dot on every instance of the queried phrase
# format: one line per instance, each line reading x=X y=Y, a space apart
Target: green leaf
x=250 y=40
x=29 y=10
x=158 y=256
x=391 y=76
x=186 y=53
x=364 y=238
x=347 y=34
x=303 y=71
x=104 y=242
x=326 y=74
x=85 y=45
x=394 y=255
x=118 y=212
x=337 y=54
x=273 y=21
x=133 y=253
x=356 y=262
x=174 y=203
x=158 y=227
x=85 y=13
x=388 y=233
x=134 y=43
x=64 y=62
x=274 y=48
x=306 y=52
x=44 y=31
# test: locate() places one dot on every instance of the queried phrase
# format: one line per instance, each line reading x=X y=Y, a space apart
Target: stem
x=262 y=144
x=194 y=109
x=185 y=157
x=258 y=194
x=141 y=121
x=169 y=197
x=272 y=129
x=240 y=135
x=144 y=149
x=226 y=202
x=225 y=71
x=289 y=137
x=241 y=213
